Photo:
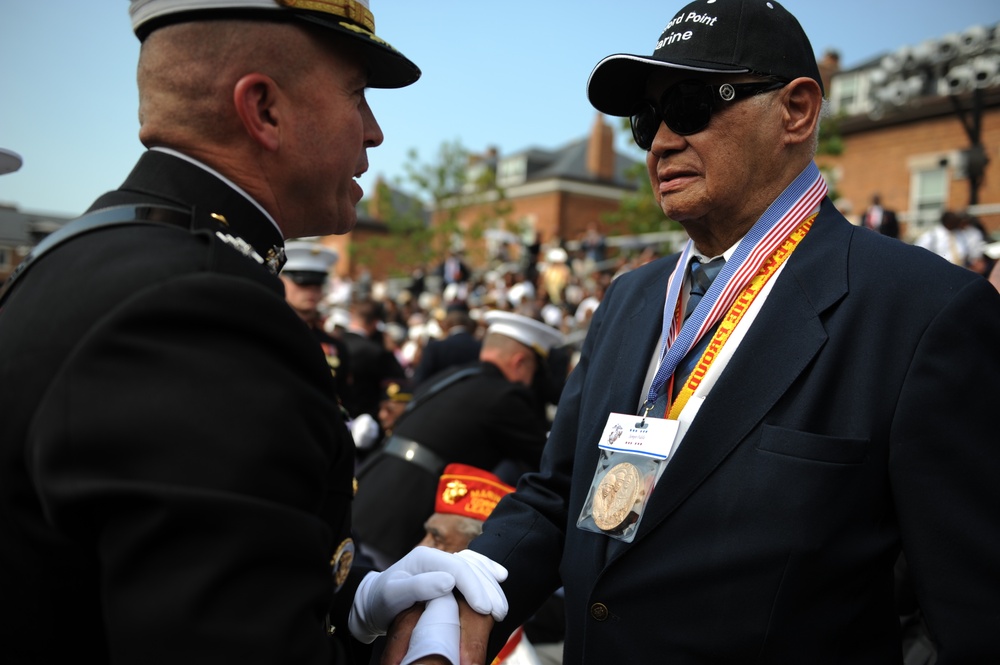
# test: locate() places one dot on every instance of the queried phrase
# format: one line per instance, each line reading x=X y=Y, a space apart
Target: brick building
x=920 y=127
x=554 y=193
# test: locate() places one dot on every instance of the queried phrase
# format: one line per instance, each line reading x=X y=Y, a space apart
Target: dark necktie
x=702 y=276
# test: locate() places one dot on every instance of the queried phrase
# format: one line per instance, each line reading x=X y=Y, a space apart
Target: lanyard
x=735 y=315
x=784 y=215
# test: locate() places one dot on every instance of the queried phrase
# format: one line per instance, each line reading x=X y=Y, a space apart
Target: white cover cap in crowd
x=306 y=256
x=10 y=161
x=533 y=334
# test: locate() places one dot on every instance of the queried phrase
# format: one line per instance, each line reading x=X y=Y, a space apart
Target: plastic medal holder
x=625 y=474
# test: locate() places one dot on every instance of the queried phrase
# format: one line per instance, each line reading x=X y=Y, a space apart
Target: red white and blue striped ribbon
x=781 y=218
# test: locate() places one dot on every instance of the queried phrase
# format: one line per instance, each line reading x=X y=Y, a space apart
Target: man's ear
x=803 y=102
x=255 y=97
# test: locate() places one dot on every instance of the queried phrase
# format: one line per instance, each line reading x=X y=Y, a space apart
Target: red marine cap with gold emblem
x=469 y=491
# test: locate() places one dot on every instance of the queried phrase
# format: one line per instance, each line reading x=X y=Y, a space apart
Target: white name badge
x=632 y=450
x=652 y=437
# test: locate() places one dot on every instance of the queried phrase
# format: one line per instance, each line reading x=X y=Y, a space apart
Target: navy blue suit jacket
x=856 y=417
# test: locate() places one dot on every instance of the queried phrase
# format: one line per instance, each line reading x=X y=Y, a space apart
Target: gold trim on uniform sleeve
x=341 y=561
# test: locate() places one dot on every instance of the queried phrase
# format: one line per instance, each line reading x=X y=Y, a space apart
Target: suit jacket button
x=599 y=611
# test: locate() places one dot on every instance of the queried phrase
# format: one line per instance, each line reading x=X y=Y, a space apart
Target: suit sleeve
x=944 y=460
x=527 y=530
x=191 y=443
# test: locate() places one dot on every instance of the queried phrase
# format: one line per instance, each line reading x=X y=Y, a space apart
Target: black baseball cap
x=352 y=19
x=712 y=37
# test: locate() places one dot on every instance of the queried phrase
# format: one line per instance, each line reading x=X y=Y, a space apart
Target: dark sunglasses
x=687 y=107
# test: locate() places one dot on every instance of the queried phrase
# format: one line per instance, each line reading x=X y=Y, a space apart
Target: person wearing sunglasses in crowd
x=826 y=402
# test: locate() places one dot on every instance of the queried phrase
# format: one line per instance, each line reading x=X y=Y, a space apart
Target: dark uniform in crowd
x=176 y=476
x=479 y=414
x=458 y=346
x=372 y=363
x=305 y=274
x=368 y=431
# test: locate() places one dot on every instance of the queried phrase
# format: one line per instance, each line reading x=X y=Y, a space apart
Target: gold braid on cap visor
x=349 y=9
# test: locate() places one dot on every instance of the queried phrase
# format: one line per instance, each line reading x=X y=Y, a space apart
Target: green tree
x=830 y=143
x=450 y=185
x=407 y=206
x=409 y=236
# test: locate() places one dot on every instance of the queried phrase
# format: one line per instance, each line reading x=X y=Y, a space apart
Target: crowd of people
x=412 y=316
x=774 y=445
x=415 y=313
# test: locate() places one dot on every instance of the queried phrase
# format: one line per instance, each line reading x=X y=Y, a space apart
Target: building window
x=6 y=258
x=513 y=171
x=844 y=94
x=929 y=196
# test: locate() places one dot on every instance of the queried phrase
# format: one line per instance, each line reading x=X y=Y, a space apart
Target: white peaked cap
x=10 y=161
x=308 y=257
x=534 y=334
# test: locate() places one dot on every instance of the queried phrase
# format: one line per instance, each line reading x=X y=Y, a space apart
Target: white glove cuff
x=437 y=632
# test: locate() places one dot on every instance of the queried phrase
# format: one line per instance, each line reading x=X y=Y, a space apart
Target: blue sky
x=510 y=75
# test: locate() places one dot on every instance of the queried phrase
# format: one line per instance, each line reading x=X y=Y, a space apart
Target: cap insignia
x=454 y=491
x=349 y=9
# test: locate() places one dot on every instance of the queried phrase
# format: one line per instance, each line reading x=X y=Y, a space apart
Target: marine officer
x=481 y=413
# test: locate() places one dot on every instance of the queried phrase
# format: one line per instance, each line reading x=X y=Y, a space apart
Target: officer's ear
x=527 y=365
x=257 y=99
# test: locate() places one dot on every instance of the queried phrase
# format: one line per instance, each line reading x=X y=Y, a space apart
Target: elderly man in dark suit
x=744 y=499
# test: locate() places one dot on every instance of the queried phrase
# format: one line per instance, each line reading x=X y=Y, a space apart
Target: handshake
x=428 y=575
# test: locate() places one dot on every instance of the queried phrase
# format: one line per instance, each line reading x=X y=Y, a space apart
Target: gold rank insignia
x=275 y=259
x=341 y=562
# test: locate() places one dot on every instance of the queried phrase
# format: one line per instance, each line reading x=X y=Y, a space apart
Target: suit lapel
x=786 y=336
x=640 y=337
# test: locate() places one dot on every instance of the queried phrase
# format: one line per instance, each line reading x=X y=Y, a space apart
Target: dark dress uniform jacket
x=459 y=348
x=175 y=474
x=480 y=420
x=372 y=364
x=857 y=416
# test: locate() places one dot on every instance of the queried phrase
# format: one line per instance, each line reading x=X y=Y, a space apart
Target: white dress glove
x=364 y=431
x=482 y=589
x=423 y=574
x=437 y=633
